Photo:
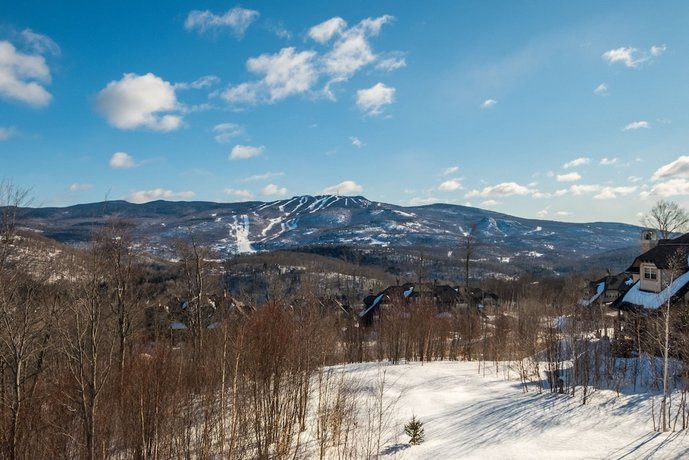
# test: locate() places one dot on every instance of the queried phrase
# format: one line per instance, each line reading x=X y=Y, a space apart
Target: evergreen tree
x=414 y=429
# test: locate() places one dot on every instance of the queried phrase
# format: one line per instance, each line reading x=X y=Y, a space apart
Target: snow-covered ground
x=469 y=415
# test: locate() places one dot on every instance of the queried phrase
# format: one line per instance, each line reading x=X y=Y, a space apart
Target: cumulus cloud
x=488 y=103
x=144 y=196
x=608 y=161
x=450 y=185
x=236 y=20
x=677 y=168
x=326 y=30
x=602 y=192
x=577 y=162
x=23 y=76
x=241 y=152
x=225 y=132
x=348 y=187
x=569 y=177
x=351 y=50
x=503 y=189
x=238 y=194
x=122 y=160
x=6 y=132
x=273 y=190
x=291 y=72
x=264 y=176
x=76 y=187
x=356 y=142
x=283 y=74
x=636 y=125
x=137 y=101
x=673 y=187
x=601 y=89
x=374 y=99
x=450 y=170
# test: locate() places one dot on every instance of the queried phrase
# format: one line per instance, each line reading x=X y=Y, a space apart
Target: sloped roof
x=666 y=254
x=653 y=300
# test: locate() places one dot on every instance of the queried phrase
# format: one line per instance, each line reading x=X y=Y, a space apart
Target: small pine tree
x=414 y=429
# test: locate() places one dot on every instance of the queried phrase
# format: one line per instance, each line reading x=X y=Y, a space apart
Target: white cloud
x=569 y=177
x=393 y=62
x=241 y=152
x=326 y=30
x=144 y=196
x=563 y=213
x=373 y=100
x=76 y=187
x=237 y=20
x=503 y=189
x=200 y=83
x=542 y=213
x=602 y=192
x=347 y=187
x=351 y=50
x=608 y=161
x=631 y=57
x=273 y=190
x=634 y=179
x=601 y=89
x=225 y=132
x=450 y=185
x=450 y=170
x=489 y=203
x=122 y=160
x=672 y=187
x=139 y=101
x=241 y=195
x=263 y=176
x=283 y=74
x=39 y=43
x=356 y=142
x=577 y=162
x=677 y=168
x=22 y=76
x=636 y=125
x=6 y=132
x=489 y=103
x=658 y=50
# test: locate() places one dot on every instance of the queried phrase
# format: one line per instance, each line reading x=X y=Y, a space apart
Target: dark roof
x=665 y=254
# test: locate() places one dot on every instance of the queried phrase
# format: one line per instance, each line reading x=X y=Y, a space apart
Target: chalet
x=659 y=274
x=608 y=289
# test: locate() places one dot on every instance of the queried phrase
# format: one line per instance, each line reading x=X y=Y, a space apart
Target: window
x=650 y=273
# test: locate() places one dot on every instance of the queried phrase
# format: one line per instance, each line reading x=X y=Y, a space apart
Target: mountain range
x=330 y=220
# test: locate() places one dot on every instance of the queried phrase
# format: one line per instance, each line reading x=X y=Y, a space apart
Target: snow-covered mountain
x=300 y=221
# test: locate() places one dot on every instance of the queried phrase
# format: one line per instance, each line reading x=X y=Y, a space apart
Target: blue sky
x=567 y=111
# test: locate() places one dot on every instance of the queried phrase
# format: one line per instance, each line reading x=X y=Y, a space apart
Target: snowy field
x=467 y=415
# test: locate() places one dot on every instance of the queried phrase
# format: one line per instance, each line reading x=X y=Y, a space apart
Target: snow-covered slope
x=469 y=415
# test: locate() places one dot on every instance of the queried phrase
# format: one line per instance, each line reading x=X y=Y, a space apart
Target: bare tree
x=667 y=217
x=467 y=248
